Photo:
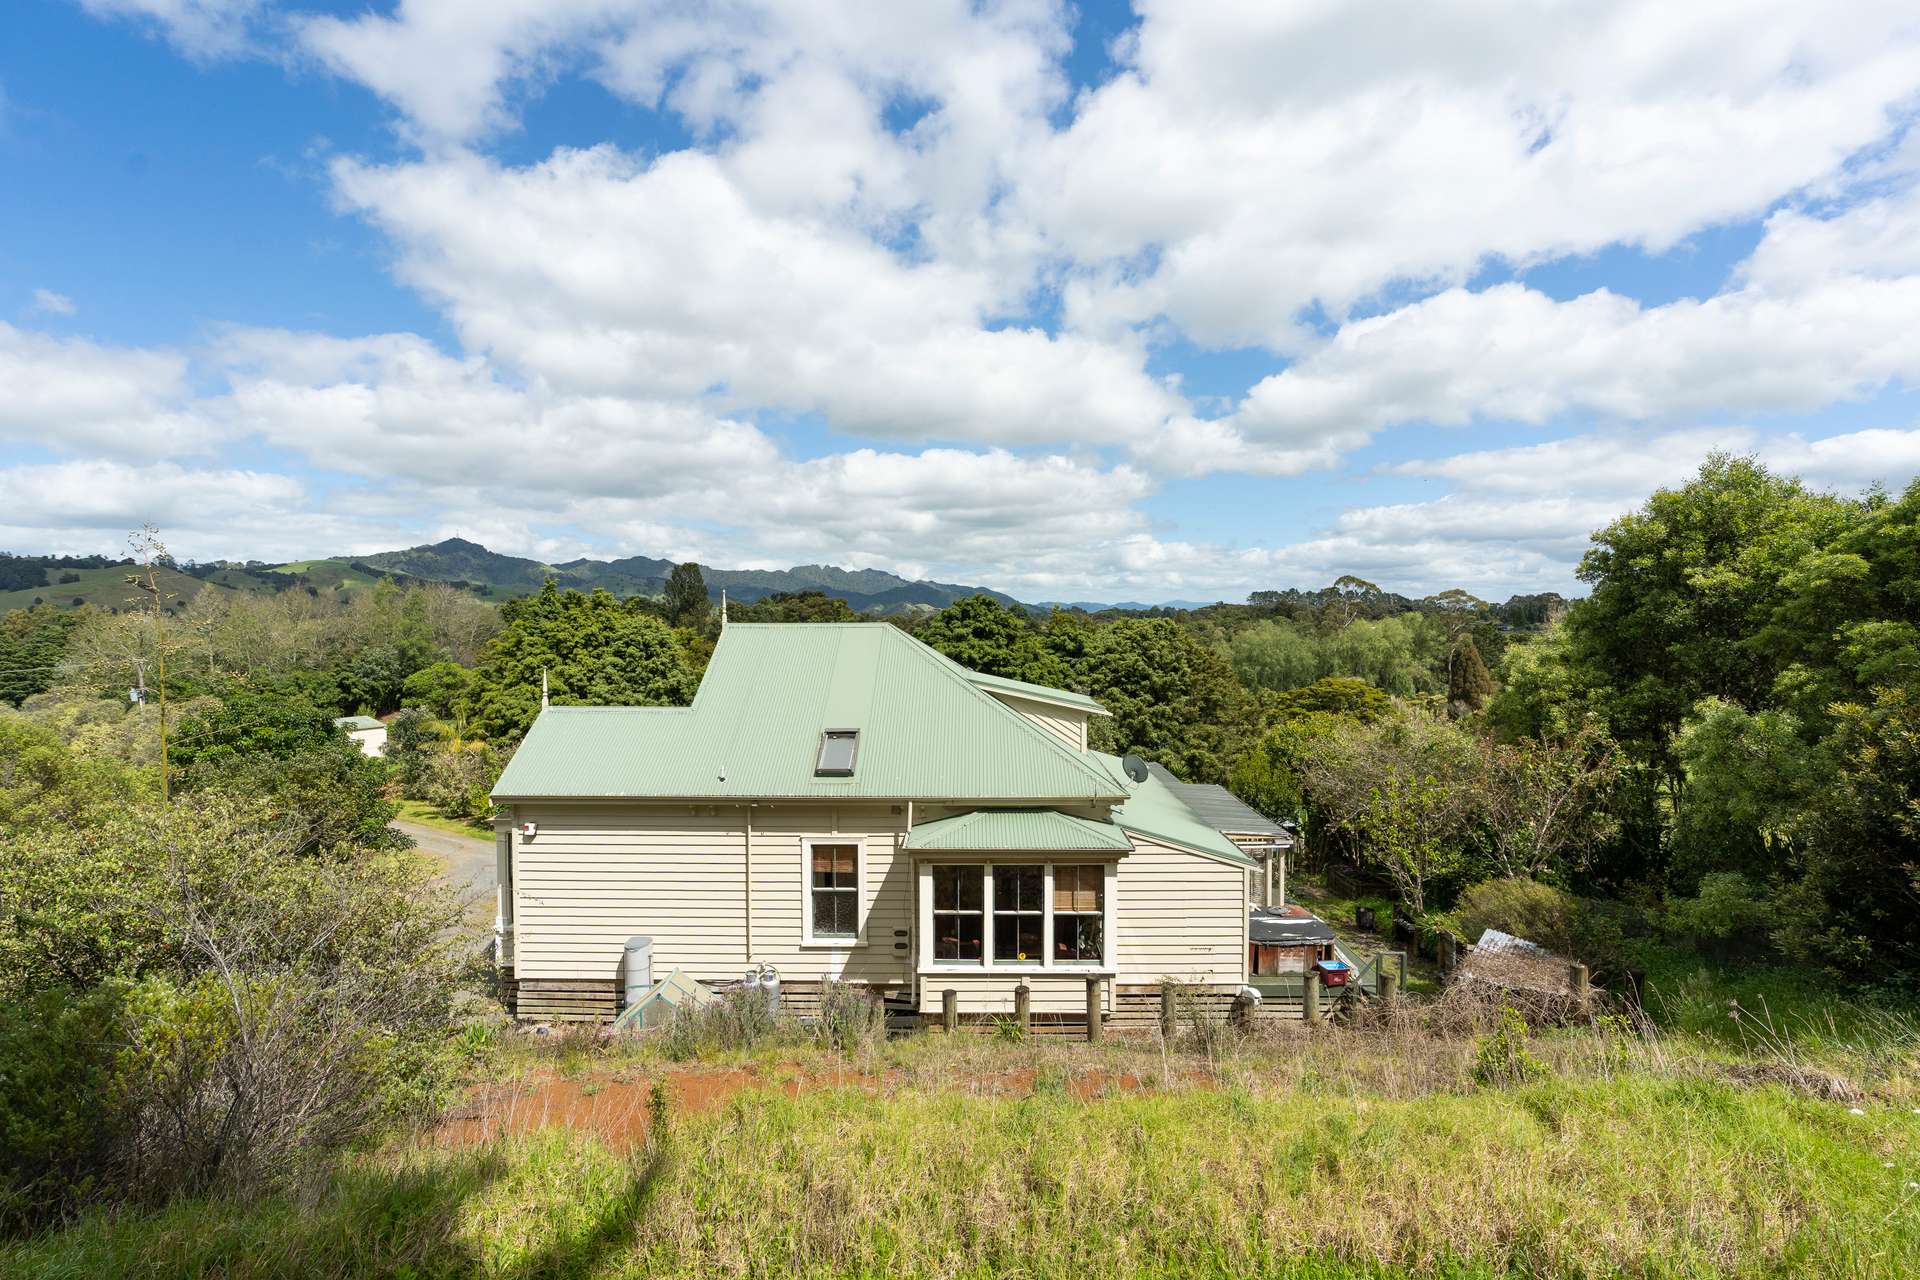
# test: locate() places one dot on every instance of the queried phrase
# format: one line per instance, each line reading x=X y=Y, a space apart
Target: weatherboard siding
x=1069 y=727
x=1180 y=915
x=595 y=875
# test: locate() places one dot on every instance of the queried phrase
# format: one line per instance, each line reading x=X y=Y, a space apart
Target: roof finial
x=543 y=688
x=723 y=606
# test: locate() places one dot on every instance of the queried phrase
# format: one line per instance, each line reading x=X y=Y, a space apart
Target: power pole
x=146 y=544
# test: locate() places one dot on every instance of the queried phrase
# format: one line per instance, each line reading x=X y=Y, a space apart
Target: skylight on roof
x=837 y=750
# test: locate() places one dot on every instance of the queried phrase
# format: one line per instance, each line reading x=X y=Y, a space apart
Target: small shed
x=1286 y=939
x=1517 y=967
x=366 y=732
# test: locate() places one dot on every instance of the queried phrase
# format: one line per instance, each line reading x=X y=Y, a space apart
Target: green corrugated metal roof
x=357 y=722
x=1037 y=692
x=1017 y=831
x=753 y=731
x=1154 y=810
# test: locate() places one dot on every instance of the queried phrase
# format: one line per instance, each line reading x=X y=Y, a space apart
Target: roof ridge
x=957 y=673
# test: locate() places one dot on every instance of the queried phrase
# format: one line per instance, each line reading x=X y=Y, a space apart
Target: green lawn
x=426 y=815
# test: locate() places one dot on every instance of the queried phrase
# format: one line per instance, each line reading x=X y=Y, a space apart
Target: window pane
x=1077 y=888
x=1076 y=937
x=956 y=936
x=834 y=913
x=833 y=866
x=1016 y=888
x=836 y=753
x=1016 y=938
x=957 y=888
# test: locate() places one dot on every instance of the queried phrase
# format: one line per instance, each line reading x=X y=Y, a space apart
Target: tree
x=981 y=634
x=275 y=746
x=33 y=649
x=594 y=650
x=1340 y=696
x=1469 y=683
x=1402 y=792
x=795 y=606
x=1172 y=698
x=1545 y=804
x=686 y=603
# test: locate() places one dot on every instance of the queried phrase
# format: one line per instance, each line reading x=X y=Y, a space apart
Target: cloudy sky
x=1094 y=302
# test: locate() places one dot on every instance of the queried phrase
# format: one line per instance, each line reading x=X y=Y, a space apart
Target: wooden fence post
x=1169 y=1011
x=1389 y=984
x=1310 y=999
x=1023 y=1008
x=1449 y=951
x=1577 y=980
x=1093 y=1010
x=1240 y=1012
x=950 y=1010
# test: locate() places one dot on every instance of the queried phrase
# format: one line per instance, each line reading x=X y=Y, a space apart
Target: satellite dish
x=1136 y=768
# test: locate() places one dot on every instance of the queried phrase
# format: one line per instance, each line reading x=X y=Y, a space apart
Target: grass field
x=1370 y=1151
x=105 y=588
x=426 y=815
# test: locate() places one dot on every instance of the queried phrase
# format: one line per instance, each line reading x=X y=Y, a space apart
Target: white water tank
x=636 y=966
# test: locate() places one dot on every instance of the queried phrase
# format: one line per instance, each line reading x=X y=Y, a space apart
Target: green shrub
x=850 y=1018
x=1503 y=1058
x=1579 y=928
x=60 y=1117
x=1726 y=906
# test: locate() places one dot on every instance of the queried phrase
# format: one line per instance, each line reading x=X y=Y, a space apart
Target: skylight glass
x=837 y=748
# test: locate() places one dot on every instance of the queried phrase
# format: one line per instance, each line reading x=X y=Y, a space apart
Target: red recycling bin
x=1333 y=973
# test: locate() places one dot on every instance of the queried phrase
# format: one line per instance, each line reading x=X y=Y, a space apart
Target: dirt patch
x=613 y=1107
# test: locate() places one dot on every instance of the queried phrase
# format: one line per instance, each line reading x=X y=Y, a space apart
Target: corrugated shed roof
x=1220 y=809
x=357 y=722
x=1017 y=831
x=1036 y=692
x=1287 y=924
x=753 y=731
x=1155 y=810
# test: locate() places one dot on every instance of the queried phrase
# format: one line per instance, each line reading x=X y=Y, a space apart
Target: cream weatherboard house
x=843 y=802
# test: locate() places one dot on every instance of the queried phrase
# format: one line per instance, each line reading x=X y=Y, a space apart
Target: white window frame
x=1105 y=966
x=833 y=943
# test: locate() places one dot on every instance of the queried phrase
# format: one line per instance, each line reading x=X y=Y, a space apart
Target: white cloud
x=71 y=395
x=50 y=303
x=1253 y=159
x=597 y=273
x=201 y=29
x=1823 y=314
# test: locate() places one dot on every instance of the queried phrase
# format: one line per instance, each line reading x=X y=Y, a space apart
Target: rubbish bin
x=1333 y=973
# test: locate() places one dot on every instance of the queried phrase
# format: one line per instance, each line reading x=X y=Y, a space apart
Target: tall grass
x=1638 y=1175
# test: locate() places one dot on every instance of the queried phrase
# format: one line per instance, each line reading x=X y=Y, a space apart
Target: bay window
x=1016 y=914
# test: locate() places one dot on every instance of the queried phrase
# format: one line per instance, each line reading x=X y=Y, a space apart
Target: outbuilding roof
x=1222 y=810
x=1288 y=924
x=1017 y=831
x=771 y=690
x=352 y=723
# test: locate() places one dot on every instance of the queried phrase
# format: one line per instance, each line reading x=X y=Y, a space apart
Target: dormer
x=1061 y=712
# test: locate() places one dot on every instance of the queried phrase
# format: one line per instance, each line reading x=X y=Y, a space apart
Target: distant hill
x=458 y=560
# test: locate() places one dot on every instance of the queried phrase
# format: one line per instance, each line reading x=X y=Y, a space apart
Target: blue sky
x=1175 y=301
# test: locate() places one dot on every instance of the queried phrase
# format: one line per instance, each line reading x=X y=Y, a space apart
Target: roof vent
x=838 y=749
